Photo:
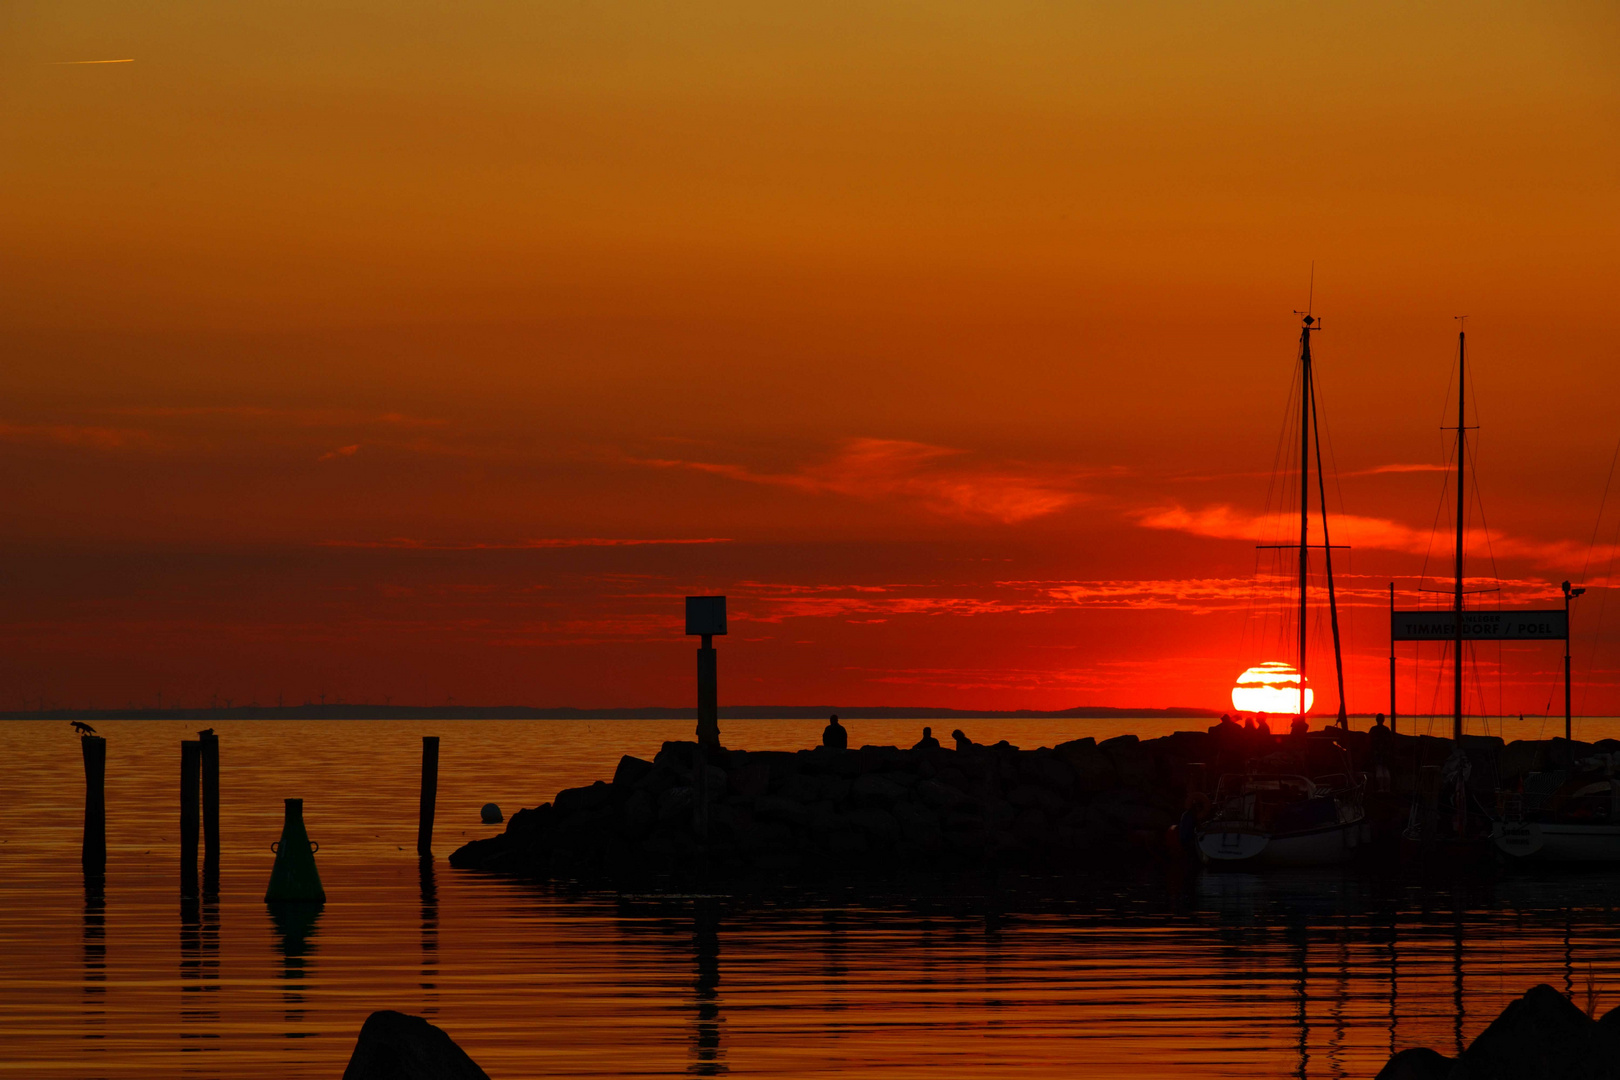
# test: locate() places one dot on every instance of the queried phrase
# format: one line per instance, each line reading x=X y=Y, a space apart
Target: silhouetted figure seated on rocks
x=927 y=742
x=1298 y=726
x=833 y=736
x=1248 y=724
x=1261 y=725
x=962 y=741
x=1227 y=726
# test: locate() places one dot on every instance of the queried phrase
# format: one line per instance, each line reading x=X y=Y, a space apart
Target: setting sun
x=1272 y=687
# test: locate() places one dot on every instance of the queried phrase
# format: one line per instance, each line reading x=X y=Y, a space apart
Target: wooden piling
x=430 y=795
x=210 y=810
x=94 y=748
x=190 y=786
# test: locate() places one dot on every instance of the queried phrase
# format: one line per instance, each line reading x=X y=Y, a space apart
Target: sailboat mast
x=1457 y=596
x=1327 y=562
x=1304 y=493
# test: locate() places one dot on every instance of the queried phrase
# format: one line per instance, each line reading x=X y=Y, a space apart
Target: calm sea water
x=1151 y=973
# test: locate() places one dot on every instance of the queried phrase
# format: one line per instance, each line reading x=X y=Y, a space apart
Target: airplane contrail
x=61 y=63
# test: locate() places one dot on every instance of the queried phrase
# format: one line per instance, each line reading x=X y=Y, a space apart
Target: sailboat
x=1423 y=827
x=1286 y=819
x=1565 y=815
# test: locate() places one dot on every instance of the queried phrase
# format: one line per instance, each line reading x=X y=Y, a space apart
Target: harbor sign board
x=1480 y=625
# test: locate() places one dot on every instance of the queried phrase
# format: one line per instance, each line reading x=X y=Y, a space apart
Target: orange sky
x=963 y=331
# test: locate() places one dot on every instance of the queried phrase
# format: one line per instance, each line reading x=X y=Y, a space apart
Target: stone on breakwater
x=395 y=1046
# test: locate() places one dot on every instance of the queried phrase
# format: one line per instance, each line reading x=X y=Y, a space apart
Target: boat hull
x=1328 y=845
x=1537 y=841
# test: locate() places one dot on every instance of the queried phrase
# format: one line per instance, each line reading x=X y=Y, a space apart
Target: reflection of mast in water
x=706 y=1049
x=430 y=937
x=1457 y=970
x=199 y=967
x=295 y=926
x=1341 y=995
x=1394 y=974
x=1300 y=933
x=94 y=934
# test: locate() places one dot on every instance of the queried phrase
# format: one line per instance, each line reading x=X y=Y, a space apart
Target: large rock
x=1419 y=1063
x=394 y=1046
x=631 y=770
x=877 y=791
x=1541 y=1036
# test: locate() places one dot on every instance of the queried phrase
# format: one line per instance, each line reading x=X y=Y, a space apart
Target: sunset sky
x=426 y=352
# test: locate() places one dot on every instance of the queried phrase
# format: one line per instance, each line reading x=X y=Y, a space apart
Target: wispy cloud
x=1399 y=468
x=943 y=480
x=342 y=451
x=405 y=543
x=296 y=417
x=103 y=438
x=1227 y=523
x=1193 y=595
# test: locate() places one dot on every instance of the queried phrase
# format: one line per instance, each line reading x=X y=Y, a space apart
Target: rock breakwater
x=882 y=807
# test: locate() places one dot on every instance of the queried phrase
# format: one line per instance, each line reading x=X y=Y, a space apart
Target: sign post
x=706 y=618
x=1569 y=594
x=1550 y=625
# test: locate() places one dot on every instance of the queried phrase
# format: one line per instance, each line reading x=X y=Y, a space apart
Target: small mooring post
x=430 y=795
x=190 y=818
x=210 y=810
x=94 y=749
x=706 y=618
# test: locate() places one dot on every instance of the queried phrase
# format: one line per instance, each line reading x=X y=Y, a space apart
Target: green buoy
x=294 y=877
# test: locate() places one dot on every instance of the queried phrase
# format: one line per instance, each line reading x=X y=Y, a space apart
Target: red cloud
x=407 y=543
x=935 y=476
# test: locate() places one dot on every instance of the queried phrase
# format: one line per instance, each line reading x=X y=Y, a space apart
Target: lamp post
x=1569 y=594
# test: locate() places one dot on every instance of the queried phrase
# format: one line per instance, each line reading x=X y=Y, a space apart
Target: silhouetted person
x=1381 y=751
x=1248 y=724
x=833 y=735
x=927 y=742
x=1261 y=725
x=962 y=741
x=1298 y=726
x=1187 y=827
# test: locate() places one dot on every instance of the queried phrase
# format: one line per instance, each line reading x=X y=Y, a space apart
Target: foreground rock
x=1541 y=1036
x=394 y=1046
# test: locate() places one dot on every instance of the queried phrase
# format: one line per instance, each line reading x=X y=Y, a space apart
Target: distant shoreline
x=662 y=712
x=651 y=712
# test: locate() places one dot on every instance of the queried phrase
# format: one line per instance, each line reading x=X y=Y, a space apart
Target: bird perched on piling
x=83 y=728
